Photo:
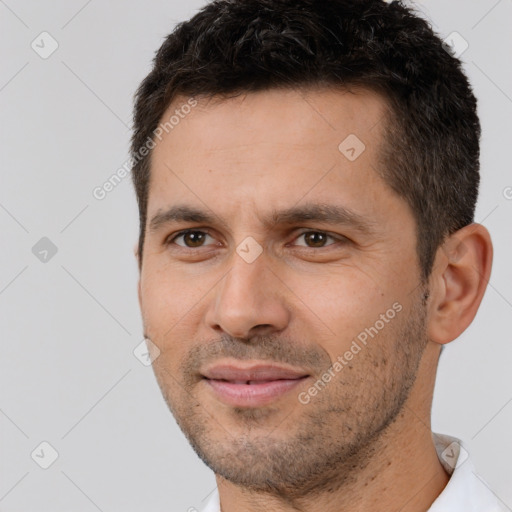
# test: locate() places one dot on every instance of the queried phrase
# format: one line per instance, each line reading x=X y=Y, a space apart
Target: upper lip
x=251 y=372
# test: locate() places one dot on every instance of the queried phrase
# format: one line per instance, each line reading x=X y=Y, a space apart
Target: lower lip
x=252 y=394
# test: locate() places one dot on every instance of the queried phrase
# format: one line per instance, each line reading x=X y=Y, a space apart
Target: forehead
x=269 y=149
x=308 y=114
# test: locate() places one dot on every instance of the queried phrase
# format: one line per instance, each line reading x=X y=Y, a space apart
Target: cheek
x=164 y=300
x=173 y=304
x=158 y=299
x=345 y=305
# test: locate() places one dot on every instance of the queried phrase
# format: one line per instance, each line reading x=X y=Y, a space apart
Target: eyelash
x=171 y=240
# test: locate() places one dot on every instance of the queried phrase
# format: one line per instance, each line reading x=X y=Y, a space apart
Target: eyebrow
x=312 y=212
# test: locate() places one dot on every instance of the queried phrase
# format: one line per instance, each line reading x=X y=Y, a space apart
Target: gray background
x=69 y=325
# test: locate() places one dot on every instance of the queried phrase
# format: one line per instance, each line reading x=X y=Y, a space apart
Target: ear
x=136 y=254
x=139 y=294
x=460 y=275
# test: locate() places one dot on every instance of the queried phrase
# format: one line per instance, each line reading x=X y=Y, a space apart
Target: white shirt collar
x=464 y=492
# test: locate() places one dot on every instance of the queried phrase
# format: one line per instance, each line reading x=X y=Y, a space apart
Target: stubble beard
x=332 y=438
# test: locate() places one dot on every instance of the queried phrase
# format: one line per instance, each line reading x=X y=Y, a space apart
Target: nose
x=248 y=301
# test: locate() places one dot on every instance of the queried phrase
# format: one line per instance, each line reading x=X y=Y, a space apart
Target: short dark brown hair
x=431 y=154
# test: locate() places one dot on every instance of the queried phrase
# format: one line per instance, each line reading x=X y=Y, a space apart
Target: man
x=306 y=175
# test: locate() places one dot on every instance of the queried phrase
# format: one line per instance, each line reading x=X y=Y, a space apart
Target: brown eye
x=315 y=239
x=191 y=238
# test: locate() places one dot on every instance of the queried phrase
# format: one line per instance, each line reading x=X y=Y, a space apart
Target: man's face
x=250 y=287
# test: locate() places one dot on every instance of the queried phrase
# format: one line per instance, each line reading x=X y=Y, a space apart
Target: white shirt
x=464 y=492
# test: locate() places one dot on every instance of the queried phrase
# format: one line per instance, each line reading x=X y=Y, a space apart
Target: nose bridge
x=243 y=282
x=248 y=296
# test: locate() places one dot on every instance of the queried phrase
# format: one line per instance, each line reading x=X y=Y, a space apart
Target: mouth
x=251 y=385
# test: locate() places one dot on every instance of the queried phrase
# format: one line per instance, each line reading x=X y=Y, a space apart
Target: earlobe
x=459 y=278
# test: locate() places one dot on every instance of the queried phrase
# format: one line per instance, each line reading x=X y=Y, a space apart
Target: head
x=431 y=158
x=323 y=157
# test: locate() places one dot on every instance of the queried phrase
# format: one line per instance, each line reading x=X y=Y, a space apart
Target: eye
x=192 y=238
x=316 y=239
x=195 y=238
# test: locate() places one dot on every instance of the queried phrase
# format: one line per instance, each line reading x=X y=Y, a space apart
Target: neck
x=400 y=470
